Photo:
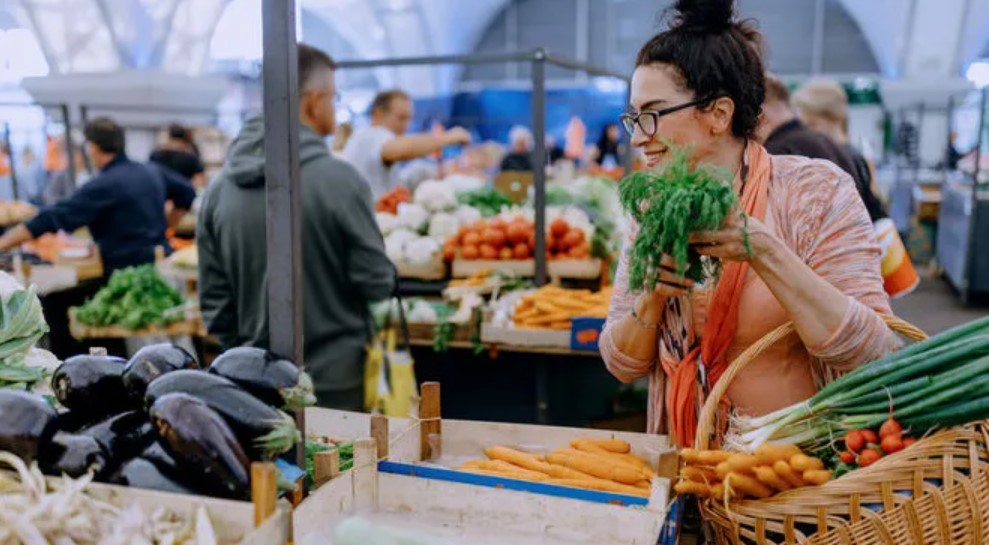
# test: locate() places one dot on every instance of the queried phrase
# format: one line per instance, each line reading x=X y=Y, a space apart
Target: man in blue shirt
x=123 y=206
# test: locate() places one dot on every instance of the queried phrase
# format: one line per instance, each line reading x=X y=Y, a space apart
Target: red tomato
x=506 y=253
x=496 y=223
x=469 y=252
x=521 y=251
x=471 y=238
x=532 y=239
x=494 y=237
x=559 y=227
x=580 y=251
x=573 y=238
x=449 y=251
x=487 y=251
x=517 y=232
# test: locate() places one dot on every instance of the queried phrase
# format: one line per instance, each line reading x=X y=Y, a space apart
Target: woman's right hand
x=650 y=305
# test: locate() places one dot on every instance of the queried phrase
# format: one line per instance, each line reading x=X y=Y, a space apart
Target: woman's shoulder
x=803 y=176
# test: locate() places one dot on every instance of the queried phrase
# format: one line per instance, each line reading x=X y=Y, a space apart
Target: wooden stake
x=365 y=475
x=326 y=465
x=299 y=493
x=379 y=431
x=429 y=425
x=264 y=491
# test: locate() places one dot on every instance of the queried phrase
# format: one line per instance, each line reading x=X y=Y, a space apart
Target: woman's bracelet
x=642 y=324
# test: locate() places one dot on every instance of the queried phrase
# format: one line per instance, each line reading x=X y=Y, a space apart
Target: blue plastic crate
x=585 y=332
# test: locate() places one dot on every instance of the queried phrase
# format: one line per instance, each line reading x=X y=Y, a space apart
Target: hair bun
x=705 y=15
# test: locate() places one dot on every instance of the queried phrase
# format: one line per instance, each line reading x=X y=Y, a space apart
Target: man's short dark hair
x=105 y=134
x=384 y=99
x=312 y=61
x=776 y=89
x=179 y=132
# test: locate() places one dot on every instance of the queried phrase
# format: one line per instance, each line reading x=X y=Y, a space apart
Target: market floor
x=934 y=307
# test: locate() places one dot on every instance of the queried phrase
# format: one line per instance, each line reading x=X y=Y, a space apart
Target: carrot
x=743 y=463
x=558 y=471
x=712 y=457
x=587 y=445
x=747 y=485
x=784 y=470
x=516 y=457
x=802 y=462
x=817 y=476
x=691 y=488
x=769 y=454
x=598 y=467
x=513 y=470
x=613 y=445
x=604 y=486
x=690 y=456
x=607 y=457
x=723 y=469
x=768 y=477
x=643 y=484
x=698 y=475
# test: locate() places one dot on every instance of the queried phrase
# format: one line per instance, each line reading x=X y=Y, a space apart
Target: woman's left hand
x=728 y=243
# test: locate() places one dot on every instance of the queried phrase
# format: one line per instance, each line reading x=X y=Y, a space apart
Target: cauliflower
x=467 y=215
x=422 y=312
x=395 y=243
x=435 y=196
x=386 y=222
x=443 y=225
x=421 y=251
x=412 y=216
x=462 y=183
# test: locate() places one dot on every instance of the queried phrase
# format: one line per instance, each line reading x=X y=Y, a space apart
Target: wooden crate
x=192 y=326
x=232 y=520
x=425 y=332
x=577 y=269
x=463 y=513
x=512 y=336
x=434 y=270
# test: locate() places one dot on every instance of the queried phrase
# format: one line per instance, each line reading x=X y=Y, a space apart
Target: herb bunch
x=668 y=206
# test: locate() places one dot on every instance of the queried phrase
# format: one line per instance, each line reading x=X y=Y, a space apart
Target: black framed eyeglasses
x=648 y=120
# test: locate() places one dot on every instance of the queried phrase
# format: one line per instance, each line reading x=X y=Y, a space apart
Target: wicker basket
x=935 y=492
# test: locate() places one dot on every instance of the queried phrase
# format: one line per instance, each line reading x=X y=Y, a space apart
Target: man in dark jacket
x=123 y=206
x=344 y=263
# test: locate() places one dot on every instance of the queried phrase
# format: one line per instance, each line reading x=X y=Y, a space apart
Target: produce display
x=389 y=201
x=37 y=511
x=158 y=420
x=941 y=382
x=134 y=298
x=595 y=464
x=771 y=469
x=186 y=258
x=512 y=236
x=489 y=202
x=22 y=324
x=551 y=307
x=668 y=206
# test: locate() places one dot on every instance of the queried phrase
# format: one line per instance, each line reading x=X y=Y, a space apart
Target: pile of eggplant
x=159 y=420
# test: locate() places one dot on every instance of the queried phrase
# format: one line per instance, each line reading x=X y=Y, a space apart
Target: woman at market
x=813 y=261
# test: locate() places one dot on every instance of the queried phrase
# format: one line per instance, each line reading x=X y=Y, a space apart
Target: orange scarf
x=722 y=316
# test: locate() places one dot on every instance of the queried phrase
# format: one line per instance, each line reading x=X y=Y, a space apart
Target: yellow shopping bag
x=389 y=374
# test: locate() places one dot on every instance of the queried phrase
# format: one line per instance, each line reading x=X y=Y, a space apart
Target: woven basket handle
x=705 y=422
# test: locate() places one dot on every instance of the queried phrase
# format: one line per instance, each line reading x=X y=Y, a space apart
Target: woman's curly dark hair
x=715 y=55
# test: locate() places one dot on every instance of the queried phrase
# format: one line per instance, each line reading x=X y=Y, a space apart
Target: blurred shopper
x=341 y=136
x=123 y=206
x=179 y=153
x=31 y=177
x=608 y=147
x=61 y=185
x=345 y=267
x=519 y=158
x=822 y=106
x=375 y=149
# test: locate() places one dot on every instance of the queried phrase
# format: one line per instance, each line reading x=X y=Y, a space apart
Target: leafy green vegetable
x=134 y=298
x=487 y=201
x=22 y=324
x=669 y=206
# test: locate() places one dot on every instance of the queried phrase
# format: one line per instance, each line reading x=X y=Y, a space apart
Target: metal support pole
x=10 y=156
x=84 y=118
x=282 y=188
x=70 y=146
x=539 y=159
x=626 y=154
x=965 y=288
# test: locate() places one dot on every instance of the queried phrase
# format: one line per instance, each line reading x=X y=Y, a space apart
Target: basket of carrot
x=896 y=451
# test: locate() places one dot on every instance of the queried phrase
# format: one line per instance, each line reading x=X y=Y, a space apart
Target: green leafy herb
x=312 y=447
x=487 y=201
x=134 y=298
x=668 y=206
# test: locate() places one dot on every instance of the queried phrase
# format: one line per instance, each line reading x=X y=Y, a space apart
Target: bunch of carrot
x=551 y=307
x=595 y=464
x=731 y=475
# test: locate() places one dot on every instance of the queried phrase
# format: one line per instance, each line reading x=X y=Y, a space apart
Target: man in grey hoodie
x=343 y=255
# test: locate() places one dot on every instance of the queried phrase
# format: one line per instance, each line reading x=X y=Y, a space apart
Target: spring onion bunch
x=669 y=206
x=941 y=382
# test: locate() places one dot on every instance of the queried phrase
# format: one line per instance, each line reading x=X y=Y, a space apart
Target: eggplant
x=157 y=455
x=199 y=439
x=73 y=455
x=141 y=473
x=263 y=431
x=27 y=421
x=272 y=379
x=122 y=436
x=92 y=386
x=152 y=361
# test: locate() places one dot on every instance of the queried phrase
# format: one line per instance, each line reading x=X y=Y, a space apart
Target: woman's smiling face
x=698 y=129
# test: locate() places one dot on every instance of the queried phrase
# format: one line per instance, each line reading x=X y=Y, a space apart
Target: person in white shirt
x=373 y=150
